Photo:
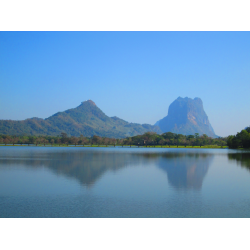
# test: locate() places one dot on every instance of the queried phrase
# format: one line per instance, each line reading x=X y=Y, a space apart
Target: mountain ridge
x=185 y=116
x=86 y=119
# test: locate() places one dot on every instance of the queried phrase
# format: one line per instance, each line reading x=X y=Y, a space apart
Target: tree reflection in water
x=184 y=170
x=242 y=159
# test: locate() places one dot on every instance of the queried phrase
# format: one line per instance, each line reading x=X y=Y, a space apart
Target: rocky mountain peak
x=89 y=101
x=186 y=116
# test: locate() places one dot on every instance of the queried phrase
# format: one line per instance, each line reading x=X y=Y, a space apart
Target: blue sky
x=132 y=75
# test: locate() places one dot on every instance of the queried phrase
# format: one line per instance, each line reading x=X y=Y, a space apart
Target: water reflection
x=242 y=159
x=85 y=166
x=151 y=183
x=185 y=171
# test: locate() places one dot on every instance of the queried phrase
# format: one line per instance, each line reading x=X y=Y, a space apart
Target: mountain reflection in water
x=184 y=170
x=85 y=166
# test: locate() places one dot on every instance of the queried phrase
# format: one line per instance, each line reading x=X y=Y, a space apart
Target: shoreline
x=109 y=146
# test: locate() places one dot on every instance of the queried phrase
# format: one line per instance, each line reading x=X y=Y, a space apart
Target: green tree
x=161 y=142
x=244 y=137
x=64 y=138
x=248 y=129
x=96 y=139
x=74 y=140
x=32 y=139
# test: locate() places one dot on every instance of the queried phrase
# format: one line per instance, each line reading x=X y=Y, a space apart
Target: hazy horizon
x=132 y=75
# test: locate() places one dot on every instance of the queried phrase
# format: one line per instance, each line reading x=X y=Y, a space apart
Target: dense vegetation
x=147 y=139
x=86 y=119
x=240 y=140
x=172 y=139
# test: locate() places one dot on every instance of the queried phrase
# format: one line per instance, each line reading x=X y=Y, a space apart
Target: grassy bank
x=104 y=146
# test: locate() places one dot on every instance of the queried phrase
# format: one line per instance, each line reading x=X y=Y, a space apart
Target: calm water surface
x=123 y=182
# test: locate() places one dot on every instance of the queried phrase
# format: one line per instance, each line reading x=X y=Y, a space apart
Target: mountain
x=186 y=116
x=86 y=119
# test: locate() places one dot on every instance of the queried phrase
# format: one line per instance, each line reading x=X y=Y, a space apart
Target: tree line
x=240 y=140
x=147 y=139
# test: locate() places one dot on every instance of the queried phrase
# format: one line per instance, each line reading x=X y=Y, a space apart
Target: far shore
x=110 y=146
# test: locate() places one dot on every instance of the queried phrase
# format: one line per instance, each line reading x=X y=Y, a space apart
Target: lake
x=77 y=182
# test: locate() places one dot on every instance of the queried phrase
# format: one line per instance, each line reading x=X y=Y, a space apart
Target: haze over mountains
x=86 y=119
x=185 y=116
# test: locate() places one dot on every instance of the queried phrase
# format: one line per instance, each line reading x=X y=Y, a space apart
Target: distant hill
x=186 y=116
x=86 y=119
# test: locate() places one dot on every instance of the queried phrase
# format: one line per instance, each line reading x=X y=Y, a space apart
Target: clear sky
x=132 y=75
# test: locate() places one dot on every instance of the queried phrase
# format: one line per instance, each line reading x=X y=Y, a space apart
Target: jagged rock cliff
x=186 y=116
